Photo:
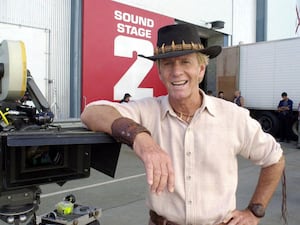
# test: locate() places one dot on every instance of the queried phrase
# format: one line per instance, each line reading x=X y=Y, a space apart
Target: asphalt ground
x=121 y=199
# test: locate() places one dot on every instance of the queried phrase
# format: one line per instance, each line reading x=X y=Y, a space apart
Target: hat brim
x=211 y=52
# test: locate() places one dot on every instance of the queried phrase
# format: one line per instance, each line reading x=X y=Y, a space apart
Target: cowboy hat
x=180 y=39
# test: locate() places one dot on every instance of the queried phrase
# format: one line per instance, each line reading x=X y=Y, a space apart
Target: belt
x=160 y=220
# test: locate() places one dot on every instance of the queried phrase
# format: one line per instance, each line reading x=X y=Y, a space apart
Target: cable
x=4 y=117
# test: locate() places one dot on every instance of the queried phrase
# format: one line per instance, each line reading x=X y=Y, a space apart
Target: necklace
x=181 y=115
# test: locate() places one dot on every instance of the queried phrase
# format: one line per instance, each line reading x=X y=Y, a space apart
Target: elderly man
x=189 y=142
x=239 y=99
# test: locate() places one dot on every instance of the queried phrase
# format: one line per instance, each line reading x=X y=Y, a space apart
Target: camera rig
x=35 y=150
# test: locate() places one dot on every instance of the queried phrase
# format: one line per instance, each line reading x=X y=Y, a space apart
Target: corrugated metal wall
x=55 y=16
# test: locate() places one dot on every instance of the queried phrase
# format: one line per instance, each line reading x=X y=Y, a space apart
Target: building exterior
x=52 y=33
x=45 y=28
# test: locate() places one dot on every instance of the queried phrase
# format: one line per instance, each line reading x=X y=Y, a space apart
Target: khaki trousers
x=150 y=223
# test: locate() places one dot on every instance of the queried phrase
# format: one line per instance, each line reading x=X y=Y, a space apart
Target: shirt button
x=188 y=153
x=188 y=177
x=190 y=202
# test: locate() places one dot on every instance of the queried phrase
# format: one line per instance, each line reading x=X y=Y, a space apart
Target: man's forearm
x=108 y=119
x=99 y=117
x=267 y=183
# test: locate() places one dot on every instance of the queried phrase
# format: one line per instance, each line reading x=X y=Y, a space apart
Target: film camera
x=34 y=149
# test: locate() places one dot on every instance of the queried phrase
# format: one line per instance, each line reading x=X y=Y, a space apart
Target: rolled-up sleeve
x=258 y=146
x=129 y=110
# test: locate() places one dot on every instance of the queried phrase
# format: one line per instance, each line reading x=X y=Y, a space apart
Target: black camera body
x=54 y=155
x=57 y=154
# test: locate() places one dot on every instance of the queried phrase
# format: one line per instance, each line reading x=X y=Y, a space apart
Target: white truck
x=262 y=71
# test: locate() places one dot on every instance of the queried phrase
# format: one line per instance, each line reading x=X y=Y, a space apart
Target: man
x=298 y=145
x=298 y=125
x=189 y=142
x=210 y=93
x=299 y=112
x=239 y=99
x=221 y=94
x=126 y=98
x=285 y=109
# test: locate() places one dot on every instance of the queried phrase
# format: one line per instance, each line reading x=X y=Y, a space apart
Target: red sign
x=113 y=35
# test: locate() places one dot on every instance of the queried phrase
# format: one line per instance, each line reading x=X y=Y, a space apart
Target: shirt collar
x=165 y=106
x=207 y=104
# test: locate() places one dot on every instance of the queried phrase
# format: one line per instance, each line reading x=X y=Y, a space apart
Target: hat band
x=177 y=47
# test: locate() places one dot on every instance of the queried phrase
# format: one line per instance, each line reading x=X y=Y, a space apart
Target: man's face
x=181 y=75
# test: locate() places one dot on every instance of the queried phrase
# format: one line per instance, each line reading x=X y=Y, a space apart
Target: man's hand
x=158 y=164
x=242 y=218
x=283 y=108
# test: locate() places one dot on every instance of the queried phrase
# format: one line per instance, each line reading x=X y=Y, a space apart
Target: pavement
x=122 y=199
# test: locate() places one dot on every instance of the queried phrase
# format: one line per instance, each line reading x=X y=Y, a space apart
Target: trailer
x=262 y=71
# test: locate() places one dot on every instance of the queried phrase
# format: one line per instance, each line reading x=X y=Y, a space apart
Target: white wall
x=282 y=19
x=272 y=60
x=36 y=46
x=244 y=22
x=54 y=17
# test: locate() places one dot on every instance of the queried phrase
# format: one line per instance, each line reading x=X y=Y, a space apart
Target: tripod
x=18 y=207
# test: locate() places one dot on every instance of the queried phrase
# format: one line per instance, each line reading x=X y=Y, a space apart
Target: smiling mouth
x=179 y=83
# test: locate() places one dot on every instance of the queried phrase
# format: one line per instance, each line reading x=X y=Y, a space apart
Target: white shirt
x=204 y=155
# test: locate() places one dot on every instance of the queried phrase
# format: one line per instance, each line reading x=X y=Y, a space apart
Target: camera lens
x=39 y=156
